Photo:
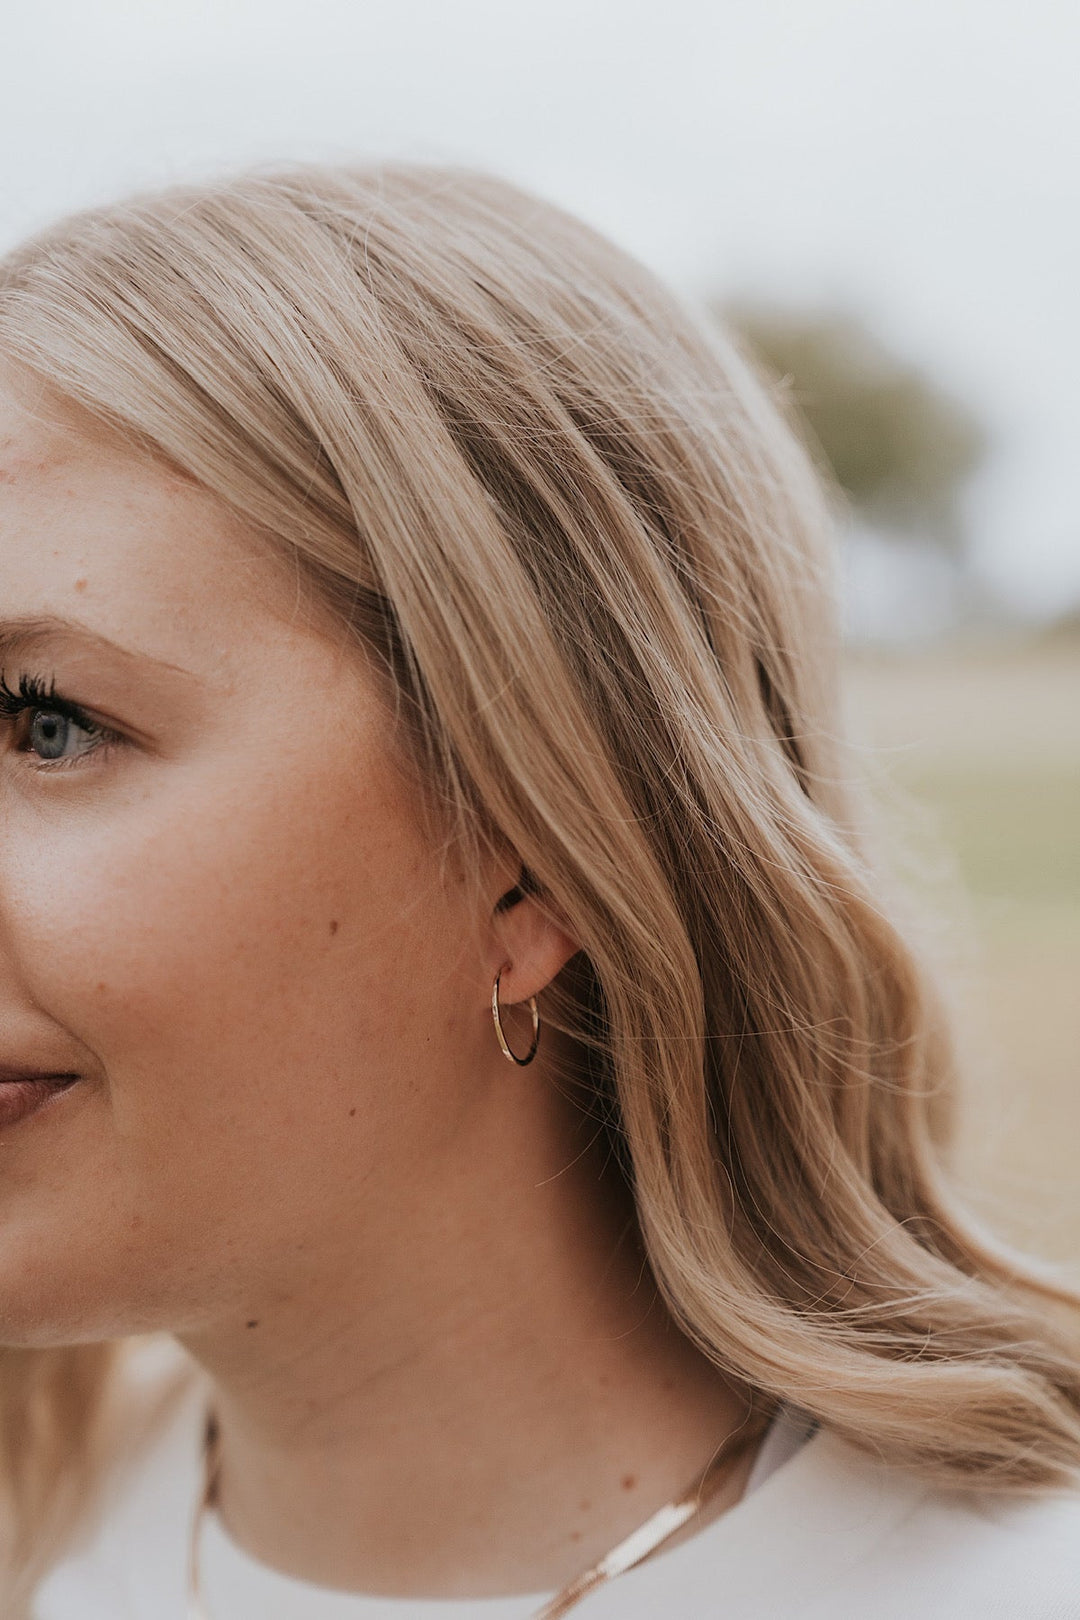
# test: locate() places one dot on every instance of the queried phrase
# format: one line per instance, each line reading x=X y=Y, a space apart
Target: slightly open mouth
x=22 y=1095
x=58 y=1081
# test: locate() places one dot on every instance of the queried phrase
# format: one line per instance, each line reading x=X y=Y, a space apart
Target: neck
x=484 y=1405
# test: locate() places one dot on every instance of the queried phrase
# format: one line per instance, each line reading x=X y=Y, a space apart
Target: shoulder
x=980 y=1557
x=838 y=1534
x=913 y=1550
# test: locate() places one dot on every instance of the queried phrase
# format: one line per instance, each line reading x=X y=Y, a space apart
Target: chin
x=54 y=1294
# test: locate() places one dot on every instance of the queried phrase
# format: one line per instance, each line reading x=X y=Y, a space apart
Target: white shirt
x=823 y=1532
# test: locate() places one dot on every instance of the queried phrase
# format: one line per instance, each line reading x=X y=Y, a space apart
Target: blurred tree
x=1065 y=627
x=900 y=446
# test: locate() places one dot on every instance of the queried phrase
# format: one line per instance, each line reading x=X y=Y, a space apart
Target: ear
x=530 y=945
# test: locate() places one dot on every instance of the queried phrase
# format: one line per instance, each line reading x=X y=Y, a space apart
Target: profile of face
x=220 y=910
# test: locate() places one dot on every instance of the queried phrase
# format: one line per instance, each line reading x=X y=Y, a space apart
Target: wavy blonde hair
x=588 y=550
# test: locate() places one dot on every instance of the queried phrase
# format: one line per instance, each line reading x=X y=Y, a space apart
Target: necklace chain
x=634 y=1549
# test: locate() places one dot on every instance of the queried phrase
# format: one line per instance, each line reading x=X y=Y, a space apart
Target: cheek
x=257 y=987
x=151 y=927
x=219 y=901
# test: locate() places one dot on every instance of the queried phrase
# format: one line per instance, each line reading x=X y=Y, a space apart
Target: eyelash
x=31 y=694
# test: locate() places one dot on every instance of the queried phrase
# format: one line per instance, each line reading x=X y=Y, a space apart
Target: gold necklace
x=639 y=1545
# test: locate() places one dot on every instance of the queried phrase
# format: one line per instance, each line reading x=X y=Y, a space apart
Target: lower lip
x=21 y=1098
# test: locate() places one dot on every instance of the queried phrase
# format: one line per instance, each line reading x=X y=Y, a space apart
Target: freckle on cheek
x=333 y=925
x=80 y=584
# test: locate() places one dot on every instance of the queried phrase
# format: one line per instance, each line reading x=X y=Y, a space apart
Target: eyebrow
x=23 y=633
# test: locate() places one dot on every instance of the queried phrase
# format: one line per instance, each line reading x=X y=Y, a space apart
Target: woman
x=472 y=1137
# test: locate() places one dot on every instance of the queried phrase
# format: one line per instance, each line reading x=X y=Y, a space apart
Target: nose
x=30 y=1042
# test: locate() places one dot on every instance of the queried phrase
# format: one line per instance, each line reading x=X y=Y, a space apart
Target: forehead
x=36 y=448
x=41 y=432
x=92 y=524
x=54 y=453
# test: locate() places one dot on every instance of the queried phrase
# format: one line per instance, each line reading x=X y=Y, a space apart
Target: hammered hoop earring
x=513 y=1057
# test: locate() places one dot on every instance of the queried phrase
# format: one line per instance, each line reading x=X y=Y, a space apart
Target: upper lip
x=15 y=1071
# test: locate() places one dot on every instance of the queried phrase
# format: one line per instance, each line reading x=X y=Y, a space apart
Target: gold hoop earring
x=513 y=1057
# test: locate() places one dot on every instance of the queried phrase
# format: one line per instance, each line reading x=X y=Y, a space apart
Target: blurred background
x=883 y=198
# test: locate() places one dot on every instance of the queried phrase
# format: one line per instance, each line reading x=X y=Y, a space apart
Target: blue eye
x=46 y=725
x=54 y=735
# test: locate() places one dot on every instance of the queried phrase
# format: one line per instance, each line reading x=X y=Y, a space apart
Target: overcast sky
x=916 y=160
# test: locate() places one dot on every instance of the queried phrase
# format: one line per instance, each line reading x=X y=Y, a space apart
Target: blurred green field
x=977 y=753
x=1014 y=831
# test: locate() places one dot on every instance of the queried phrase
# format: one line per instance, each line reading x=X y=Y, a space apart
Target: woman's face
x=216 y=909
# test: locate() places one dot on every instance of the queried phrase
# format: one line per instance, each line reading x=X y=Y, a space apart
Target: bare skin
x=438 y=1363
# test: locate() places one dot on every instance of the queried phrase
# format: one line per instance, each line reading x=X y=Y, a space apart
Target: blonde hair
x=585 y=545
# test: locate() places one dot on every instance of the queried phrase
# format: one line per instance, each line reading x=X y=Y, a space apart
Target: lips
x=25 y=1091
x=15 y=1071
